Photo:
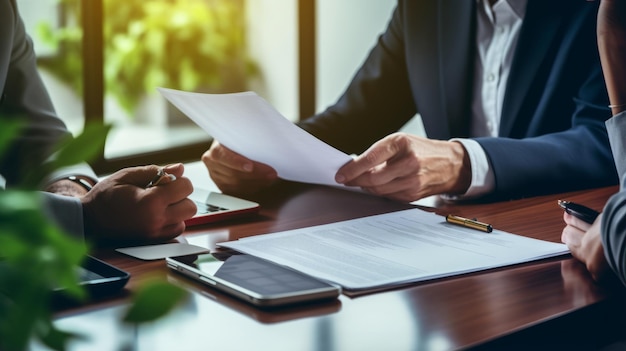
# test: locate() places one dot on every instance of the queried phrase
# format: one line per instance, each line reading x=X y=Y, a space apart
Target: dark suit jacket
x=552 y=136
x=24 y=99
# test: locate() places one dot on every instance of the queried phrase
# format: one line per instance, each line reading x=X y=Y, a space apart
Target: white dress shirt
x=497 y=31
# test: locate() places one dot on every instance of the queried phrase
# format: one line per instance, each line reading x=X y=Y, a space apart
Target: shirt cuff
x=483 y=180
x=66 y=212
x=82 y=169
x=614 y=125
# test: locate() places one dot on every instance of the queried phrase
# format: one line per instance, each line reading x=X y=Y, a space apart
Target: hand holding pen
x=145 y=204
x=161 y=177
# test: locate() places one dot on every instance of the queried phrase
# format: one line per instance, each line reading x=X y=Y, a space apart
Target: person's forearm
x=612 y=47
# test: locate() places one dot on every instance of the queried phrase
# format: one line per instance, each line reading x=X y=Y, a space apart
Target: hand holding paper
x=250 y=126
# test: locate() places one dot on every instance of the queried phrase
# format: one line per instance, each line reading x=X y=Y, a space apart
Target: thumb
x=177 y=169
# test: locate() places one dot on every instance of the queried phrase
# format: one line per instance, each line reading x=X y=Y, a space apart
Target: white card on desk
x=157 y=252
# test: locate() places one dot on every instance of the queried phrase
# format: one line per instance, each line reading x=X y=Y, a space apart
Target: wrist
x=462 y=168
x=617 y=109
x=90 y=222
x=70 y=186
x=84 y=183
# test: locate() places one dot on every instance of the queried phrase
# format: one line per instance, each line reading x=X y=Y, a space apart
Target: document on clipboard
x=393 y=249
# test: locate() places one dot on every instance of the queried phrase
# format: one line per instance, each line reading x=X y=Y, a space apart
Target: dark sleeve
x=566 y=147
x=377 y=101
x=576 y=158
x=24 y=99
x=614 y=233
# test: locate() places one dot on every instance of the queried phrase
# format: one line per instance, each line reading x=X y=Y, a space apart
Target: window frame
x=93 y=83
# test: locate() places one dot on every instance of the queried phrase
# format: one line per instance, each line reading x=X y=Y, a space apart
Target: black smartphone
x=253 y=279
x=579 y=211
x=98 y=278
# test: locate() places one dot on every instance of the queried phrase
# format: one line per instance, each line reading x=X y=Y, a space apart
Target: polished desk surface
x=452 y=313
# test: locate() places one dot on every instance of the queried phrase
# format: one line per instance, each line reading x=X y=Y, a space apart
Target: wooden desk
x=551 y=301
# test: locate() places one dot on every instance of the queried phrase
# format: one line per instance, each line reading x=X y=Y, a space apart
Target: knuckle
x=186 y=185
x=400 y=140
x=152 y=203
x=412 y=163
x=371 y=157
x=206 y=156
x=191 y=208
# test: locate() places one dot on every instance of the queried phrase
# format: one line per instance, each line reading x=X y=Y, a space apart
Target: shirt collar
x=518 y=6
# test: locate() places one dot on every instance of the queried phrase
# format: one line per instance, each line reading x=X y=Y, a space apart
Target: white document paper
x=394 y=248
x=249 y=125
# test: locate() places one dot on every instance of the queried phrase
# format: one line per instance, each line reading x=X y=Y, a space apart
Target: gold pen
x=469 y=223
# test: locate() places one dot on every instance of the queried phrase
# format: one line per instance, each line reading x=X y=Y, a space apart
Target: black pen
x=469 y=223
x=579 y=211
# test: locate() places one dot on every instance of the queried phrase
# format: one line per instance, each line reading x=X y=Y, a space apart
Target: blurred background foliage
x=192 y=45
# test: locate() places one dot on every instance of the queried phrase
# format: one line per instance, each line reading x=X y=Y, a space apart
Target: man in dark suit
x=510 y=92
x=118 y=207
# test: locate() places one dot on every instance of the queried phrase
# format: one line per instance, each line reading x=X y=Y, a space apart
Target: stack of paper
x=394 y=248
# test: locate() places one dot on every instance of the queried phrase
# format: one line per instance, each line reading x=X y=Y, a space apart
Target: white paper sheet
x=394 y=248
x=249 y=125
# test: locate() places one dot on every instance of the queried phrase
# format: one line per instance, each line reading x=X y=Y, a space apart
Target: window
x=103 y=59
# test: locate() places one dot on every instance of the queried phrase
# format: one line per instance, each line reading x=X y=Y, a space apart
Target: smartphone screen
x=252 y=279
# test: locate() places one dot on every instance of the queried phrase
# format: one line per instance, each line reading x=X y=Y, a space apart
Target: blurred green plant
x=192 y=45
x=36 y=257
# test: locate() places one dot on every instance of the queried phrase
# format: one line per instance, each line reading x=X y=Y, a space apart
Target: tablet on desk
x=213 y=206
x=253 y=280
x=98 y=278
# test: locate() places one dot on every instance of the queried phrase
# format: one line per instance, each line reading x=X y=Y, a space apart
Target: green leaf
x=83 y=148
x=71 y=151
x=27 y=302
x=153 y=301
x=13 y=201
x=8 y=130
x=57 y=339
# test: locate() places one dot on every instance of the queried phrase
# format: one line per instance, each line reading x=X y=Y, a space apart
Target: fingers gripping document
x=250 y=126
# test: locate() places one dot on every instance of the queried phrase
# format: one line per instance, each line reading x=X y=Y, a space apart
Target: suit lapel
x=456 y=58
x=541 y=23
